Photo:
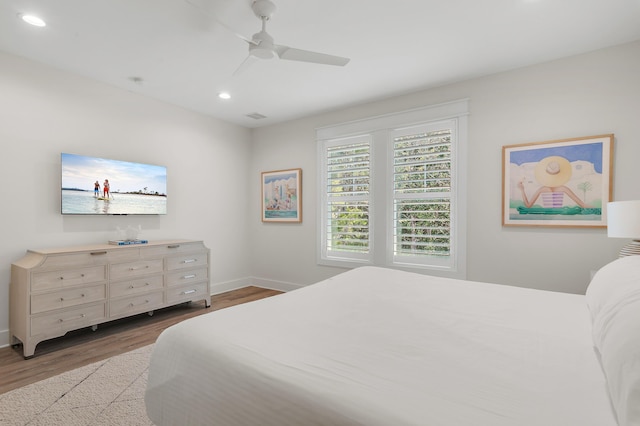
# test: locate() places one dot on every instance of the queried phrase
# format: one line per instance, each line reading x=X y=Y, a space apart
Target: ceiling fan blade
x=240 y=36
x=222 y=24
x=291 y=54
x=249 y=60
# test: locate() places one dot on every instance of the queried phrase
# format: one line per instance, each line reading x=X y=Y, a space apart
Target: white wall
x=590 y=94
x=214 y=169
x=44 y=112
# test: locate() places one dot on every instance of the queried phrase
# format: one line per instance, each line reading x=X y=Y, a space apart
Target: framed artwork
x=564 y=182
x=282 y=196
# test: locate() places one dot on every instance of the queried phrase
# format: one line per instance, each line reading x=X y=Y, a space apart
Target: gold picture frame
x=282 y=196
x=565 y=182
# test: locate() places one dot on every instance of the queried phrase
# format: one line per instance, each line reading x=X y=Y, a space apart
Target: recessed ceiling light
x=224 y=95
x=33 y=20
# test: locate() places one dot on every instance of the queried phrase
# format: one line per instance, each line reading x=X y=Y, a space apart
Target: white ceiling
x=396 y=46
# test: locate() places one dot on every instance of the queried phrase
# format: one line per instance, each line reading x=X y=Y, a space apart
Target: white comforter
x=376 y=346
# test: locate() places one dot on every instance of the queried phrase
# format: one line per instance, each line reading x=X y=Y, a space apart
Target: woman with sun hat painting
x=552 y=173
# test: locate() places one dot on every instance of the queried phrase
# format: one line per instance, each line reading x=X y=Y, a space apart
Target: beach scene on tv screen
x=93 y=185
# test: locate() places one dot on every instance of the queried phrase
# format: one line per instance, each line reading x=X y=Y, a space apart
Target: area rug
x=108 y=392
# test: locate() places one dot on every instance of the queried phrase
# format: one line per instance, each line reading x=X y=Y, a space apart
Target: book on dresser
x=54 y=291
x=127 y=242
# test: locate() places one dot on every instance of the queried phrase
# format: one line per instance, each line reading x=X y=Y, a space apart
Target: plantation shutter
x=347 y=189
x=422 y=194
x=390 y=192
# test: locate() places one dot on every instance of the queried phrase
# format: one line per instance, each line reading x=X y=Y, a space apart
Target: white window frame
x=381 y=213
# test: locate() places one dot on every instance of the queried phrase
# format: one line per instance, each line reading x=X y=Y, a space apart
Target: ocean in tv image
x=132 y=188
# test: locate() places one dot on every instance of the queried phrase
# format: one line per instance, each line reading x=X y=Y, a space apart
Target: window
x=347 y=198
x=422 y=194
x=389 y=191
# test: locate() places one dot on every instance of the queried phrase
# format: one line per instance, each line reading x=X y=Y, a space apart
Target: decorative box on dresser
x=54 y=291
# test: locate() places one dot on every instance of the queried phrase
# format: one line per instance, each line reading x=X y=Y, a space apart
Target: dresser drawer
x=123 y=254
x=135 y=304
x=71 y=319
x=134 y=269
x=172 y=247
x=75 y=260
x=42 y=281
x=135 y=286
x=44 y=302
x=187 y=276
x=193 y=291
x=190 y=260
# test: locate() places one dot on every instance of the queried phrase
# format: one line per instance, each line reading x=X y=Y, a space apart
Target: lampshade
x=623 y=221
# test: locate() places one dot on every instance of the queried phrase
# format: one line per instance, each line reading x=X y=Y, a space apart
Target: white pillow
x=613 y=298
x=612 y=282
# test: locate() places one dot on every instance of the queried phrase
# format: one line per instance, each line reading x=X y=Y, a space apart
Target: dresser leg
x=28 y=350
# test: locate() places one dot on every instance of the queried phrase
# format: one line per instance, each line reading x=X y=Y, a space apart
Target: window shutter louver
x=348 y=199
x=422 y=194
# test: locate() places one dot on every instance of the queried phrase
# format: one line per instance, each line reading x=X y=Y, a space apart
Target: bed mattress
x=376 y=346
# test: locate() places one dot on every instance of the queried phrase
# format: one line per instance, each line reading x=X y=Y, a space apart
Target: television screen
x=101 y=186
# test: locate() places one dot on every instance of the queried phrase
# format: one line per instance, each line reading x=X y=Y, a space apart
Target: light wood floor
x=82 y=347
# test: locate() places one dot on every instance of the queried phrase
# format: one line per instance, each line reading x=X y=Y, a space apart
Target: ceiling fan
x=262 y=46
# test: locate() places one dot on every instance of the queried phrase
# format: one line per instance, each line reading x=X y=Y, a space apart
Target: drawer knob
x=133 y=268
x=132 y=286
x=68 y=319
x=189 y=291
x=189 y=260
x=173 y=246
x=62 y=298
x=186 y=277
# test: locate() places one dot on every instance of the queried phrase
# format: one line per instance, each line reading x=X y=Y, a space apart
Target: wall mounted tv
x=99 y=186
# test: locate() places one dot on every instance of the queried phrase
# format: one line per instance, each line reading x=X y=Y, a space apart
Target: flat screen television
x=100 y=186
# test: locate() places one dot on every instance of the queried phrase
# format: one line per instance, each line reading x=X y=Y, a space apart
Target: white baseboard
x=274 y=285
x=4 y=338
x=217 y=288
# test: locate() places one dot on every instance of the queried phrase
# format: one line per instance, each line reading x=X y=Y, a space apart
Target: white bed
x=376 y=346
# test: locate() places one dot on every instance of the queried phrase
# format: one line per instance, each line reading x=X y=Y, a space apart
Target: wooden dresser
x=58 y=290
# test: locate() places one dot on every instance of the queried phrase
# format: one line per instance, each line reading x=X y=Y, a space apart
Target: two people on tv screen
x=105 y=189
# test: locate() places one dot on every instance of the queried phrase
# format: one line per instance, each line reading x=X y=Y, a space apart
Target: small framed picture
x=282 y=196
x=564 y=182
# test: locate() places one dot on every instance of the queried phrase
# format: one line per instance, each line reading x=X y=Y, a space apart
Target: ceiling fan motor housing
x=263 y=47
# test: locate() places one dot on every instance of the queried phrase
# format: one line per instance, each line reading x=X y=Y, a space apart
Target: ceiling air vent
x=256 y=116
